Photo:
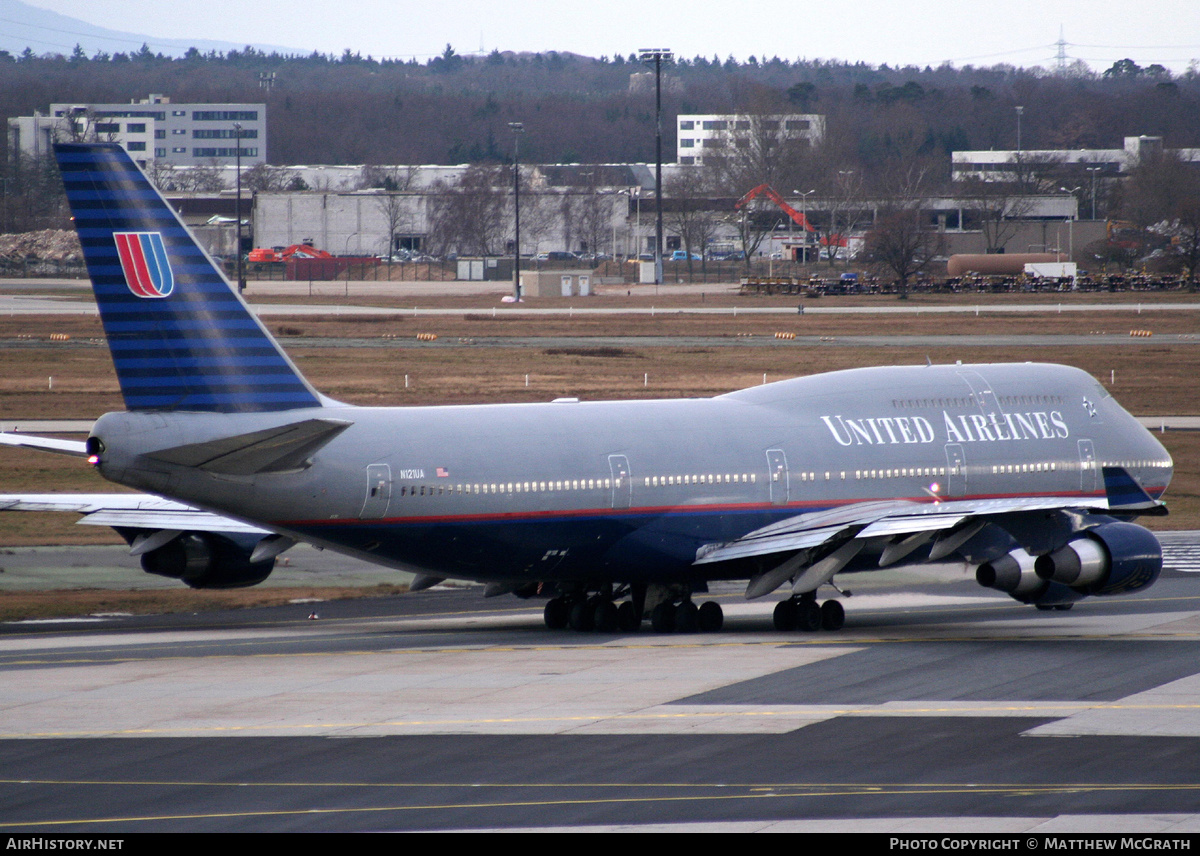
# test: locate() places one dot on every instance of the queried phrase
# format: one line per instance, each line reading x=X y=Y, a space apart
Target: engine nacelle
x=1113 y=558
x=206 y=561
x=1013 y=573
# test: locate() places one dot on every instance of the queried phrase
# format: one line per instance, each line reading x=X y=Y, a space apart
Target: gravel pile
x=47 y=245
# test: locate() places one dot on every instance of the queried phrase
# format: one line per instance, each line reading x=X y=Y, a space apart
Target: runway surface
x=76 y=301
x=941 y=706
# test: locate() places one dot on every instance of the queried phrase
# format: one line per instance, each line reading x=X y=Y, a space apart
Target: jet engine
x=1113 y=558
x=204 y=560
x=1013 y=573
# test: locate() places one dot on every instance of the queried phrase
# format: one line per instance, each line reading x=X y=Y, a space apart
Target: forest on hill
x=456 y=109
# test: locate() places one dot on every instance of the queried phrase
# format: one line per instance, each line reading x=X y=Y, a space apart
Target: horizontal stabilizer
x=272 y=450
x=77 y=448
x=129 y=511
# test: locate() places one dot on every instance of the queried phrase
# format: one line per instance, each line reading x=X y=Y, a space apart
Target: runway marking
x=797 y=790
x=847 y=637
x=801 y=714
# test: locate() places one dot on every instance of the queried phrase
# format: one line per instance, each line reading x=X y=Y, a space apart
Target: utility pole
x=657 y=56
x=237 y=142
x=1093 y=170
x=518 y=129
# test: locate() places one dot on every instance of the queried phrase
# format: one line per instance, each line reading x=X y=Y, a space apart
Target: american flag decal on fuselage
x=144 y=263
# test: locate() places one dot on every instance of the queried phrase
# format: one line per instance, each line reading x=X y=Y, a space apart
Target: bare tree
x=33 y=195
x=1163 y=197
x=844 y=208
x=468 y=216
x=903 y=240
x=996 y=207
x=539 y=213
x=396 y=213
x=264 y=177
x=689 y=211
x=390 y=178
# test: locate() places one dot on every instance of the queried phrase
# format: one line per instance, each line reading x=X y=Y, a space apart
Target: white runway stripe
x=1181 y=550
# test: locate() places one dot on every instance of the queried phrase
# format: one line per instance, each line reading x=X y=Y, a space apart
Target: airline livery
x=614 y=512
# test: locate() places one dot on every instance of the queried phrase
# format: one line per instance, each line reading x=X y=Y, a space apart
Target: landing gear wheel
x=556 y=614
x=604 y=616
x=833 y=616
x=662 y=618
x=582 y=616
x=711 y=617
x=687 y=617
x=784 y=616
x=808 y=616
x=628 y=619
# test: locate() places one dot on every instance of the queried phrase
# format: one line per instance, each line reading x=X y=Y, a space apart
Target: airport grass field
x=486 y=355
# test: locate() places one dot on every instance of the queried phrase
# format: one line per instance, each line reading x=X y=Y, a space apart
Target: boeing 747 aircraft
x=1028 y=473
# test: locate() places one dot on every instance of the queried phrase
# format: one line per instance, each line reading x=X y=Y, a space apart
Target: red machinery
x=769 y=192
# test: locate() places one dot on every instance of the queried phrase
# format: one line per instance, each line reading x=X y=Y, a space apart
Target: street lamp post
x=1071 y=222
x=657 y=56
x=237 y=149
x=804 y=194
x=1093 y=170
x=517 y=128
x=1019 y=110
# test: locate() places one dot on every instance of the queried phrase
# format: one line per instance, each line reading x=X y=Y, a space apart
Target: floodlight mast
x=657 y=56
x=518 y=128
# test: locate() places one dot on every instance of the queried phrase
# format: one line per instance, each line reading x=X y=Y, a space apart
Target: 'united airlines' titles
x=963 y=428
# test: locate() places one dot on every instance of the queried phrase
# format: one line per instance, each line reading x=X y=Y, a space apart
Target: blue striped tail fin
x=181 y=338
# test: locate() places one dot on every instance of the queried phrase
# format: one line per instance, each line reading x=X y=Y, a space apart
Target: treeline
x=454 y=108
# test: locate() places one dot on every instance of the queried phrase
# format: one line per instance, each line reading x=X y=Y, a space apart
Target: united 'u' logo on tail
x=195 y=345
x=144 y=262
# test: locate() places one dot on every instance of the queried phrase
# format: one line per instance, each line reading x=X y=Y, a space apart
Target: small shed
x=556 y=283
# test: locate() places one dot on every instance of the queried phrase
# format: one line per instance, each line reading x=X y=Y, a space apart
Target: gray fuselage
x=629 y=490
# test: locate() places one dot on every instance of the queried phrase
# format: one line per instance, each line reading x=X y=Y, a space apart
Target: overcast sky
x=920 y=32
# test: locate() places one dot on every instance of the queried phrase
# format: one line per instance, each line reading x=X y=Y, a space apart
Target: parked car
x=557 y=256
x=682 y=256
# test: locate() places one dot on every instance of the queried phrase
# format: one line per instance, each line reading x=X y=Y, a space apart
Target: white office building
x=152 y=129
x=705 y=134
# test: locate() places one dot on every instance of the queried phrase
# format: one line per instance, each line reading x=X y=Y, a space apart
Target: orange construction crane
x=282 y=254
x=769 y=192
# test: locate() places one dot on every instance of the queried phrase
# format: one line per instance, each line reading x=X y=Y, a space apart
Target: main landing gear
x=600 y=614
x=804 y=613
x=596 y=613
x=686 y=617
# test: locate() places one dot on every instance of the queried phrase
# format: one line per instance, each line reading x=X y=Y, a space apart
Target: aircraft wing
x=77 y=448
x=811 y=548
x=887 y=518
x=129 y=510
x=876 y=519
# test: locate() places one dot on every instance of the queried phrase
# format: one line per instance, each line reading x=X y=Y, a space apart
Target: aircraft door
x=379 y=491
x=985 y=399
x=1087 y=466
x=777 y=476
x=622 y=485
x=956 y=471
